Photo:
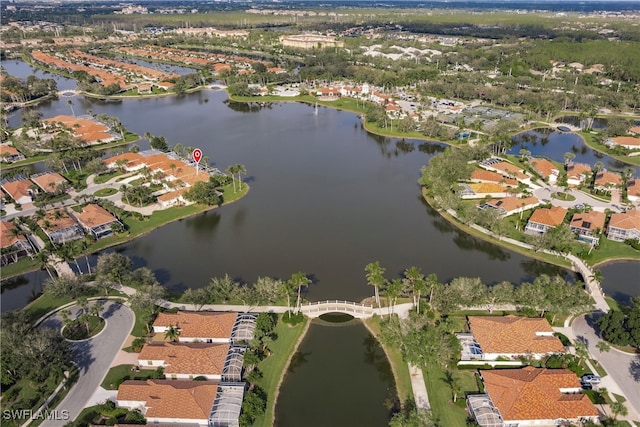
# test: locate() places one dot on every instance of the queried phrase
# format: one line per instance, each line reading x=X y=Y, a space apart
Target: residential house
x=86 y=129
x=529 y=397
x=198 y=326
x=511 y=205
x=173 y=198
x=544 y=219
x=98 y=221
x=577 y=173
x=507 y=169
x=10 y=154
x=588 y=225
x=623 y=226
x=633 y=190
x=60 y=227
x=49 y=182
x=481 y=190
x=512 y=337
x=20 y=190
x=546 y=169
x=145 y=88
x=168 y=402
x=14 y=246
x=606 y=181
x=186 y=360
x=482 y=175
x=628 y=142
x=635 y=130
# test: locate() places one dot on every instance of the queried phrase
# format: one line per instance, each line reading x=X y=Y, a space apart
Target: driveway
x=93 y=356
x=623 y=368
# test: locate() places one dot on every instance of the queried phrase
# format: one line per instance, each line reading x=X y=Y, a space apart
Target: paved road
x=93 y=356
x=623 y=368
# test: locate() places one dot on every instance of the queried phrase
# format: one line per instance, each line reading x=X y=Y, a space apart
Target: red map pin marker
x=197 y=155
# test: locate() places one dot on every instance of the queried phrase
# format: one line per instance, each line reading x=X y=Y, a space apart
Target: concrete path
x=93 y=356
x=419 y=388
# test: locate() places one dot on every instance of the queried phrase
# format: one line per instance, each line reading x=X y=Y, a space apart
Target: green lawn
x=441 y=398
x=79 y=331
x=590 y=140
x=102 y=178
x=609 y=250
x=398 y=365
x=22 y=266
x=273 y=367
x=105 y=192
x=120 y=373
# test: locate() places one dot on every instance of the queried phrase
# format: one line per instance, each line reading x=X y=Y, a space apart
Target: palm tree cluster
x=238 y=170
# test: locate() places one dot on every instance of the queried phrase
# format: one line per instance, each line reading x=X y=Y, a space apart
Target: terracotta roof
x=191 y=400
x=633 y=187
x=534 y=394
x=17 y=189
x=171 y=195
x=48 y=181
x=626 y=140
x=627 y=221
x=576 y=170
x=512 y=203
x=486 y=187
x=606 y=178
x=199 y=324
x=511 y=169
x=514 y=335
x=551 y=217
x=635 y=129
x=55 y=224
x=6 y=238
x=589 y=221
x=187 y=358
x=544 y=167
x=127 y=157
x=87 y=130
x=485 y=175
x=8 y=150
x=94 y=215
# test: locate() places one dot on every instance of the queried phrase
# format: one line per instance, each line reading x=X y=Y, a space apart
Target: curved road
x=623 y=368
x=93 y=356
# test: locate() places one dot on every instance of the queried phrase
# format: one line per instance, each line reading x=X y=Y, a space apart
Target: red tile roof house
x=19 y=190
x=588 y=226
x=531 y=396
x=98 y=221
x=60 y=227
x=544 y=219
x=511 y=205
x=481 y=190
x=185 y=361
x=13 y=246
x=605 y=180
x=198 y=326
x=623 y=226
x=48 y=182
x=507 y=169
x=633 y=190
x=481 y=175
x=546 y=169
x=513 y=336
x=10 y=154
x=167 y=401
x=576 y=173
x=628 y=142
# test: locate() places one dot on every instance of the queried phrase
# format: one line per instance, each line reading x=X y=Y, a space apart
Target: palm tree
x=286 y=288
x=240 y=170
x=393 y=291
x=231 y=170
x=172 y=333
x=581 y=352
x=43 y=260
x=375 y=278
x=70 y=104
x=568 y=158
x=415 y=280
x=430 y=283
x=618 y=409
x=298 y=281
x=95 y=309
x=452 y=382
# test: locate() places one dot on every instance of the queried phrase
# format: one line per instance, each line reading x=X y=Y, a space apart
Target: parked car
x=590 y=379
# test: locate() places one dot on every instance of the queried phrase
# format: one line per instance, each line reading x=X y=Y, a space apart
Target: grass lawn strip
x=274 y=367
x=77 y=330
x=441 y=398
x=120 y=373
x=104 y=192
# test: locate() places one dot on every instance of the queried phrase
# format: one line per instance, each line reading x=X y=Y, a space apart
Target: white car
x=590 y=379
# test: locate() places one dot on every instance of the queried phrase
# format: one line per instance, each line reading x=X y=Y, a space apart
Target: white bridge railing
x=315 y=309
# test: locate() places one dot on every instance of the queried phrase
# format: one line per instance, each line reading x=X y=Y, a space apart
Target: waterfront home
x=482 y=175
x=86 y=129
x=49 y=182
x=20 y=190
x=169 y=402
x=173 y=198
x=606 y=180
x=14 y=246
x=506 y=169
x=145 y=88
x=60 y=227
x=98 y=221
x=188 y=360
x=546 y=169
x=588 y=225
x=481 y=190
x=544 y=219
x=530 y=396
x=511 y=205
x=10 y=154
x=577 y=173
x=512 y=337
x=197 y=326
x=628 y=142
x=635 y=130
x=633 y=190
x=328 y=92
x=623 y=226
